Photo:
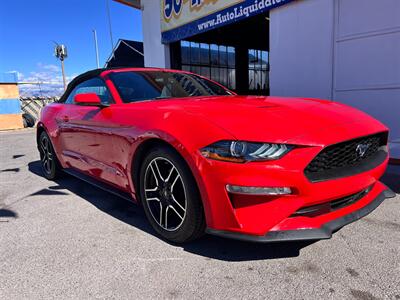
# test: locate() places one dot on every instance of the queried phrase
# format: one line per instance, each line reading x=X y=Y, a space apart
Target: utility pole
x=96 y=48
x=61 y=53
x=109 y=24
x=63 y=74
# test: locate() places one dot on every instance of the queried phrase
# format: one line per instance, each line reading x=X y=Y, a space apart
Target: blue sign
x=180 y=21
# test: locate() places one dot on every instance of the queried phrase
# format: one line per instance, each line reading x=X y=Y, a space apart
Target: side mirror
x=88 y=99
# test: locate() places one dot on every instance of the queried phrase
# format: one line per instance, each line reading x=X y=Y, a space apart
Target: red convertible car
x=200 y=158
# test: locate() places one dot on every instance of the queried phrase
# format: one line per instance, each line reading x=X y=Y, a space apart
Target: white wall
x=345 y=50
x=301 y=49
x=156 y=54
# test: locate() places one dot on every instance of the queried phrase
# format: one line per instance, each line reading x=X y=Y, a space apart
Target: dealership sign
x=184 y=18
x=133 y=3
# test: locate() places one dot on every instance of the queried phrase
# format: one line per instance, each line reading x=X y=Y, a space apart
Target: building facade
x=342 y=50
x=10 y=107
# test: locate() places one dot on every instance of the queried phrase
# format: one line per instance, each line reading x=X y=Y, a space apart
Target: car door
x=86 y=134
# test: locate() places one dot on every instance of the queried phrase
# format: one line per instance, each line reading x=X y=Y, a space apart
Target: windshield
x=135 y=86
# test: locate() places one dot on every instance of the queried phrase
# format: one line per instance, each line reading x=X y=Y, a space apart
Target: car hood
x=277 y=119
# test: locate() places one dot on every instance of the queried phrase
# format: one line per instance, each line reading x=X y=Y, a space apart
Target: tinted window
x=94 y=85
x=145 y=85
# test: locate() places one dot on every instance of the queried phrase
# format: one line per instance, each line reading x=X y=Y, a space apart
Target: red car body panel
x=102 y=142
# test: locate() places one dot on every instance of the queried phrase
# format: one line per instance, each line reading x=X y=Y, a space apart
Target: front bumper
x=324 y=232
x=257 y=216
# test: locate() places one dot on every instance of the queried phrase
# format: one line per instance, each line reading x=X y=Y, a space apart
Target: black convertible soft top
x=78 y=79
x=88 y=75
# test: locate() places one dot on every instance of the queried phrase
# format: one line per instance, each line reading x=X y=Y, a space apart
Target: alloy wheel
x=165 y=194
x=46 y=155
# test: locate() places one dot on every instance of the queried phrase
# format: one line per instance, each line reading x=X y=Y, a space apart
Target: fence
x=31 y=107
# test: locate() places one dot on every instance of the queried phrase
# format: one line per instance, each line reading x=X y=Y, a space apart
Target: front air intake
x=348 y=158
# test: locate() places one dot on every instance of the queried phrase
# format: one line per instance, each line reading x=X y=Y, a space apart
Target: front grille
x=345 y=158
x=324 y=208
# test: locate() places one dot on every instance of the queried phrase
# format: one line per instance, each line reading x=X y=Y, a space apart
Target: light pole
x=96 y=48
x=61 y=53
x=109 y=24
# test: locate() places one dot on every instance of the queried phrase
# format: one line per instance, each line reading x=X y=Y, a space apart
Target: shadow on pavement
x=15 y=170
x=392 y=178
x=231 y=250
x=6 y=213
x=209 y=246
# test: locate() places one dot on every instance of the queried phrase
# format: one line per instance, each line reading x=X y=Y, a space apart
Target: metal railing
x=32 y=106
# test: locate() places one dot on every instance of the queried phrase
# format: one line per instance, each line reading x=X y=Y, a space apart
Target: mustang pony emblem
x=362 y=149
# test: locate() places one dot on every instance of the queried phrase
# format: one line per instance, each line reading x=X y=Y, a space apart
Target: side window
x=94 y=85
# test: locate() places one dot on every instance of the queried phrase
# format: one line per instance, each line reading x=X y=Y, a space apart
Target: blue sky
x=28 y=28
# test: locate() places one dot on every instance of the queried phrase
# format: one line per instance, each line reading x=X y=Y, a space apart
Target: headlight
x=237 y=151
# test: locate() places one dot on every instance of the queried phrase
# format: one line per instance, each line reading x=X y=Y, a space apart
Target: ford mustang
x=200 y=158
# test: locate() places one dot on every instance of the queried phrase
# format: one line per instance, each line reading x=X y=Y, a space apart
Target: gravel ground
x=66 y=239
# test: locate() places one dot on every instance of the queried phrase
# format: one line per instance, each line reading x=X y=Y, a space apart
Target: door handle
x=65 y=118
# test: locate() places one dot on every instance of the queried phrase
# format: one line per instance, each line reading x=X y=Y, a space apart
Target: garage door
x=367 y=60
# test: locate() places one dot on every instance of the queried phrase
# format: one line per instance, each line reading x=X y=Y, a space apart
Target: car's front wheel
x=50 y=165
x=170 y=196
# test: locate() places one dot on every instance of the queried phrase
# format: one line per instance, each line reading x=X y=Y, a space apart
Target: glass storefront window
x=222 y=56
x=231 y=57
x=258 y=70
x=204 y=54
x=216 y=62
x=185 y=52
x=214 y=54
x=195 y=53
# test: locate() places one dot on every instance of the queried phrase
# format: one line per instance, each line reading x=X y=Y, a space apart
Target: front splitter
x=325 y=232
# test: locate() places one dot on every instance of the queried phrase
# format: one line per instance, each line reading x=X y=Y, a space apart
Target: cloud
x=45 y=81
x=19 y=75
x=51 y=68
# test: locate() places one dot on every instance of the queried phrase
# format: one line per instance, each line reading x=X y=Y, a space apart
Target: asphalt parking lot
x=66 y=239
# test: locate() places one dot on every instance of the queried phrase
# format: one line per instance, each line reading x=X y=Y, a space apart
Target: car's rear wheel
x=170 y=196
x=50 y=165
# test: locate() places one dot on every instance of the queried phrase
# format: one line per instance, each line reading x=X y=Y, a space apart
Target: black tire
x=28 y=120
x=171 y=193
x=50 y=165
x=24 y=122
